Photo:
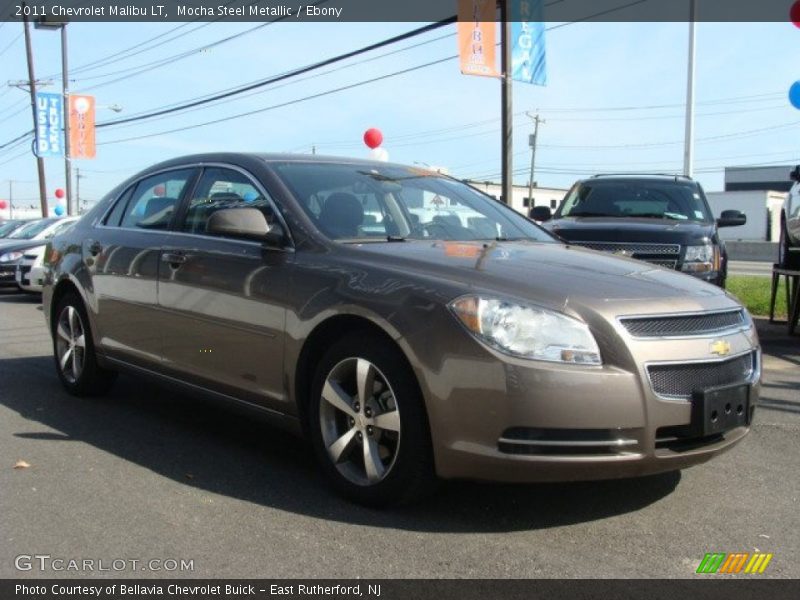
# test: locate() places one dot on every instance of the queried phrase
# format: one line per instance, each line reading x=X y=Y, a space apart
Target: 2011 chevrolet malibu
x=410 y=326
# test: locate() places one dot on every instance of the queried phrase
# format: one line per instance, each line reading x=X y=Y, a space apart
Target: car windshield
x=353 y=202
x=652 y=199
x=7 y=227
x=31 y=230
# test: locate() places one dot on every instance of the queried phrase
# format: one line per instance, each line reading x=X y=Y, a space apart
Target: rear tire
x=74 y=352
x=368 y=423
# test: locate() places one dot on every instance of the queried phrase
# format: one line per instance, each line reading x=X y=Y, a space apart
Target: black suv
x=661 y=219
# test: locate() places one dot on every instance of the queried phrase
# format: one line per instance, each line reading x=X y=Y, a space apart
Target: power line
x=286 y=75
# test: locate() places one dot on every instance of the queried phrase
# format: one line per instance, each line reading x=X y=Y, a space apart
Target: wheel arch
x=318 y=341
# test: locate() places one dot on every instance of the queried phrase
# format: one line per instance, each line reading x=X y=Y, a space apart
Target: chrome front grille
x=684 y=325
x=663 y=255
x=682 y=380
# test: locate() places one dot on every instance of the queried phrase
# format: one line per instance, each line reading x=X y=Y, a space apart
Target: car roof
x=268 y=157
x=661 y=177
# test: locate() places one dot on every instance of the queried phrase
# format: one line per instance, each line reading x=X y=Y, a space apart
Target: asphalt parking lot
x=148 y=473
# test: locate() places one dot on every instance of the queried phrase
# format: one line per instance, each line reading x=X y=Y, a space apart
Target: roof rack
x=670 y=175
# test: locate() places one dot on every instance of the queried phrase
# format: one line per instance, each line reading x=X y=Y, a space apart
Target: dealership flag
x=527 y=42
x=81 y=126
x=49 y=125
x=476 y=37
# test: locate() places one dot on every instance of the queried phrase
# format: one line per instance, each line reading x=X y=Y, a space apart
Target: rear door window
x=155 y=200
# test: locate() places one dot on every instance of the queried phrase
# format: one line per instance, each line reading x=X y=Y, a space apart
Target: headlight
x=701 y=259
x=527 y=331
x=10 y=256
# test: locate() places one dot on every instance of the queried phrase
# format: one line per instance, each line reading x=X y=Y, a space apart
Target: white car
x=30 y=268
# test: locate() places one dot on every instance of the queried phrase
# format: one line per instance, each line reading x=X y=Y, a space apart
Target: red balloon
x=59 y=193
x=159 y=191
x=794 y=14
x=3 y=204
x=373 y=137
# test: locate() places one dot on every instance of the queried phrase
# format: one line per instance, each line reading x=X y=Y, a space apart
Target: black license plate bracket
x=716 y=410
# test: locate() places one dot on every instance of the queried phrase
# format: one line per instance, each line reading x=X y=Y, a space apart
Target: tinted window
x=359 y=202
x=155 y=199
x=115 y=216
x=220 y=188
x=653 y=199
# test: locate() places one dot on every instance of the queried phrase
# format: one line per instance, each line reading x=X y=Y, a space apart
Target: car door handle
x=175 y=259
x=95 y=248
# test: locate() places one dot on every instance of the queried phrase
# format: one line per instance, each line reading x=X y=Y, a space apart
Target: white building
x=520 y=202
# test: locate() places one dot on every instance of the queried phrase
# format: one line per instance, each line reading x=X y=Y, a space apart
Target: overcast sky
x=433 y=115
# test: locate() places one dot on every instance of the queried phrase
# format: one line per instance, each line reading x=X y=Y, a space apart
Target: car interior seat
x=342 y=215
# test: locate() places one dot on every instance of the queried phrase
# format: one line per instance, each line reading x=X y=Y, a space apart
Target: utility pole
x=688 y=149
x=532 y=142
x=71 y=210
x=506 y=101
x=32 y=87
x=78 y=178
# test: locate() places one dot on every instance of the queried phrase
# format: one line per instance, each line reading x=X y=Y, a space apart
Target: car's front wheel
x=73 y=348
x=368 y=423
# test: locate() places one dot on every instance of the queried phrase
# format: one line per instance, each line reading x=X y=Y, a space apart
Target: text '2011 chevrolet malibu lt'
x=411 y=327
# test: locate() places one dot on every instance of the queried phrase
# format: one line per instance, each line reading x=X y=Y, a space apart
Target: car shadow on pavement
x=199 y=443
x=16 y=296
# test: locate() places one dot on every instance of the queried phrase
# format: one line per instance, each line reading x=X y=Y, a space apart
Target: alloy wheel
x=70 y=343
x=360 y=421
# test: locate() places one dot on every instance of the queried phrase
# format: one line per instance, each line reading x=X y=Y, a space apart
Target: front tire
x=74 y=352
x=368 y=423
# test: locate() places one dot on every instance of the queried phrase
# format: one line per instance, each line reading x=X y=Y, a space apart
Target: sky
x=614 y=101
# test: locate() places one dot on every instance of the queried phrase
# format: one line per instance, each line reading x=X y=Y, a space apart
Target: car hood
x=19 y=245
x=548 y=274
x=603 y=229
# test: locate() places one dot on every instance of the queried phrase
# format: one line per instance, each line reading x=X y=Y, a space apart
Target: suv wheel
x=73 y=348
x=368 y=423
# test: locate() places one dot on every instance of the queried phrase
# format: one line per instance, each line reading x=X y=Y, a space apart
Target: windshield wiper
x=671 y=216
x=395 y=238
x=589 y=214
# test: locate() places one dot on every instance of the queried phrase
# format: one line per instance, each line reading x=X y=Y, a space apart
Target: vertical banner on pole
x=81 y=126
x=477 y=37
x=528 y=58
x=49 y=125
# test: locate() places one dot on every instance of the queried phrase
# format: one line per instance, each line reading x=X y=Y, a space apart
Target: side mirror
x=541 y=213
x=249 y=223
x=731 y=218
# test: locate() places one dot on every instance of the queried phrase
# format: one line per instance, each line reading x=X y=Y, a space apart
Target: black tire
x=92 y=380
x=411 y=474
x=786 y=258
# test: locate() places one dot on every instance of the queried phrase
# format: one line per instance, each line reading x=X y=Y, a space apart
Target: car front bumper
x=500 y=419
x=8 y=274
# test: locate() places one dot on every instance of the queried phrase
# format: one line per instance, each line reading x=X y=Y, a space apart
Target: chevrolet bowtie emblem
x=720 y=348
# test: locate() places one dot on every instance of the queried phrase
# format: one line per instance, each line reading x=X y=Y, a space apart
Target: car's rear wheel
x=73 y=348
x=368 y=423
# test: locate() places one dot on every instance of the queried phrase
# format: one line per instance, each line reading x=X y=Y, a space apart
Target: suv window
x=220 y=188
x=652 y=199
x=115 y=216
x=154 y=200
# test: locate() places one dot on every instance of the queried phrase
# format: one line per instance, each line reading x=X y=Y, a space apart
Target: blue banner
x=49 y=124
x=528 y=59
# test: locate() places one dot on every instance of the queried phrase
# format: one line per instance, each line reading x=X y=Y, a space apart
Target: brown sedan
x=409 y=325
